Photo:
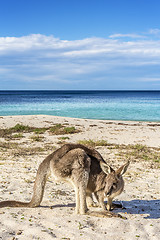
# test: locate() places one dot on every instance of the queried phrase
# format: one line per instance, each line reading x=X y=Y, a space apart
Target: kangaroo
x=86 y=170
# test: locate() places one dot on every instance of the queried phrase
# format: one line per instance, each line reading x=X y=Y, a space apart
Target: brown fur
x=86 y=170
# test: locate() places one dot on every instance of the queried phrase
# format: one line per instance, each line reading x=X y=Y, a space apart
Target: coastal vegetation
x=92 y=143
x=12 y=143
x=131 y=152
x=18 y=130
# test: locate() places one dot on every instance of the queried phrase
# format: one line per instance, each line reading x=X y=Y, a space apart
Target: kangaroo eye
x=114 y=185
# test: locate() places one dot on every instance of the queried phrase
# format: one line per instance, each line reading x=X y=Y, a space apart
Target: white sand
x=141 y=196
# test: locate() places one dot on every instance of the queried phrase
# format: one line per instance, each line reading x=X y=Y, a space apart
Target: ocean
x=108 y=105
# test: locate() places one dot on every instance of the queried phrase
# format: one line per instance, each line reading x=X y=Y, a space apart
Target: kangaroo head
x=114 y=183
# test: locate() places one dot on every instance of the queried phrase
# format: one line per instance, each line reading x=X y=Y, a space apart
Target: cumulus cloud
x=46 y=58
x=120 y=35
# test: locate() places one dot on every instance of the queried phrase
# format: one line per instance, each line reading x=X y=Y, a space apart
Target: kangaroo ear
x=122 y=169
x=106 y=168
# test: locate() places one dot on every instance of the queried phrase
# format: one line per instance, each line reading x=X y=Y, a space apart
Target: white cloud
x=41 y=46
x=46 y=58
x=131 y=35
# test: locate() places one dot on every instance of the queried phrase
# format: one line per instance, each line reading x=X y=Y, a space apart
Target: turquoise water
x=109 y=105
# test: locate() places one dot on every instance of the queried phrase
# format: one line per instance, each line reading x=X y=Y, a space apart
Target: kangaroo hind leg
x=80 y=191
x=80 y=176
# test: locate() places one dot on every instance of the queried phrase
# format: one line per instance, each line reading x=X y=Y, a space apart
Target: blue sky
x=80 y=44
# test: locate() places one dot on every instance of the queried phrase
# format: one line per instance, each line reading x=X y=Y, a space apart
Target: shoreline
x=90 y=119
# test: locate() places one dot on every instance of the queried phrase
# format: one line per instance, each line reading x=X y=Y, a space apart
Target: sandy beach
x=23 y=149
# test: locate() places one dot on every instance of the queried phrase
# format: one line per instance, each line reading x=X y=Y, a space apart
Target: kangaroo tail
x=38 y=189
x=40 y=181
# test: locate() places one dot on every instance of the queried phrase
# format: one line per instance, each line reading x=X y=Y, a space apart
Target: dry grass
x=37 y=138
x=57 y=129
x=13 y=148
x=139 y=152
x=9 y=133
x=136 y=152
x=92 y=143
